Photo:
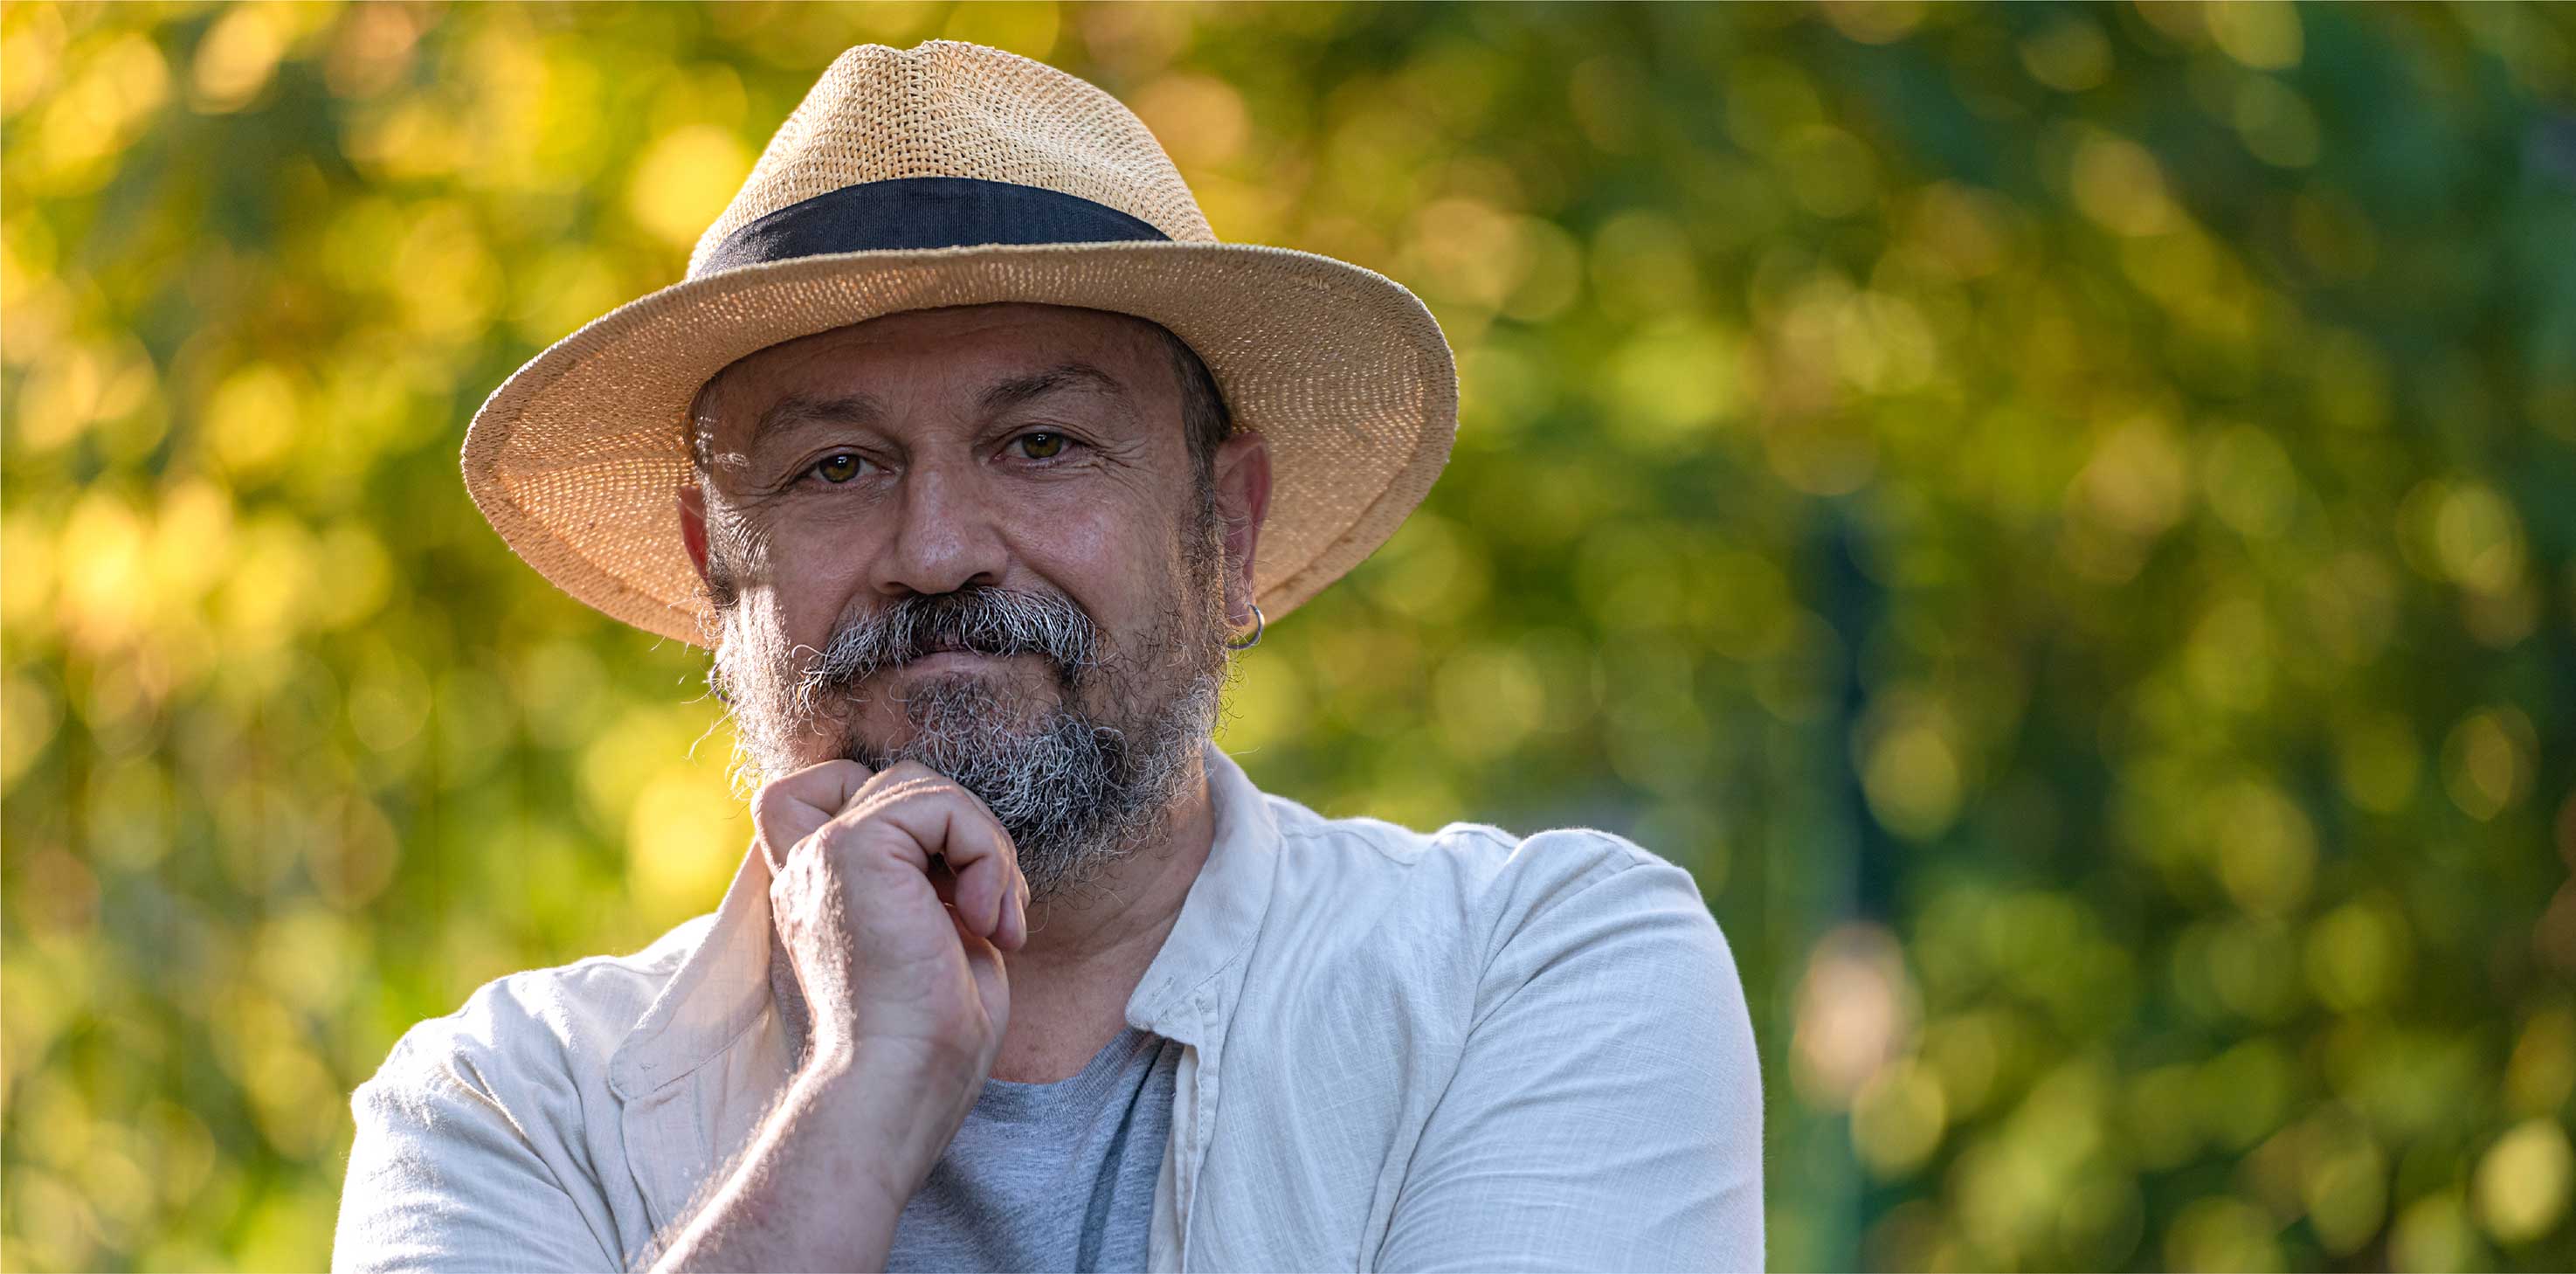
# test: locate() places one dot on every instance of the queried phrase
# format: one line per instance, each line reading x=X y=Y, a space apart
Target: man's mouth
x=952 y=652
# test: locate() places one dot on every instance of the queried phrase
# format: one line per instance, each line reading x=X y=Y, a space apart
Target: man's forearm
x=829 y=1170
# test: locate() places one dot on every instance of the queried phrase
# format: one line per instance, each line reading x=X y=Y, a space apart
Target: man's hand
x=895 y=895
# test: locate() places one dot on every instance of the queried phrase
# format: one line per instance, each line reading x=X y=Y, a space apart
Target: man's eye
x=1040 y=445
x=838 y=468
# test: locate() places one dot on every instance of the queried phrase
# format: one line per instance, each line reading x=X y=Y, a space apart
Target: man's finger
x=992 y=977
x=1010 y=929
x=794 y=807
x=936 y=817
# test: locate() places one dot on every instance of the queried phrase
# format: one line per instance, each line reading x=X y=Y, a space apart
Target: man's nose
x=946 y=535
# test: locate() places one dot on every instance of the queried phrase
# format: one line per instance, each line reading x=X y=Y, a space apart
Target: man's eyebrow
x=1077 y=376
x=799 y=409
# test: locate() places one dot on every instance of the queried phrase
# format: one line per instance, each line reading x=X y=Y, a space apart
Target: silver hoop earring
x=1258 y=623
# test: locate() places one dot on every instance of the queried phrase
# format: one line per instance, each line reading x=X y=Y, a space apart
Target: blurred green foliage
x=2063 y=517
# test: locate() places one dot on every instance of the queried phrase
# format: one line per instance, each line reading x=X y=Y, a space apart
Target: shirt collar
x=1192 y=984
x=719 y=991
x=722 y=988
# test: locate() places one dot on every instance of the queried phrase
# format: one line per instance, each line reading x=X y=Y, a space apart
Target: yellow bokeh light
x=251 y=419
x=2542 y=1072
x=684 y=180
x=2222 y=1232
x=2276 y=123
x=117 y=88
x=2266 y=848
x=684 y=840
x=1199 y=119
x=2068 y=53
x=237 y=57
x=2479 y=539
x=2262 y=36
x=1671 y=382
x=2486 y=762
x=2121 y=186
x=1912 y=776
x=2358 y=955
x=1897 y=1119
x=2523 y=1181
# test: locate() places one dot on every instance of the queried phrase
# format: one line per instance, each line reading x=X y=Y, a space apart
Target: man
x=986 y=453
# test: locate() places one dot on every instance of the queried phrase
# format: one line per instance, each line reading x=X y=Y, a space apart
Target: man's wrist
x=902 y=1061
x=900 y=1101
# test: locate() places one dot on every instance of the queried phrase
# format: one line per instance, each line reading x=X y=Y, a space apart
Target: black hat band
x=924 y=212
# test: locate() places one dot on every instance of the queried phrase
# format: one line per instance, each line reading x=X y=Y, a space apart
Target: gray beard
x=1076 y=795
x=1078 y=784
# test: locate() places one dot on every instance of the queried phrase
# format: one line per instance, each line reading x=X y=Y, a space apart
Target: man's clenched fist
x=895 y=894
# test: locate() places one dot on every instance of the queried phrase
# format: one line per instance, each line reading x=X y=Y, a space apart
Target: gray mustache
x=983 y=620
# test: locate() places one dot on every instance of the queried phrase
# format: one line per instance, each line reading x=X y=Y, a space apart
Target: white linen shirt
x=1403 y=1051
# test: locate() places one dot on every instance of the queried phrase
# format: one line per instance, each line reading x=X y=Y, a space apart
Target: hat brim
x=577 y=459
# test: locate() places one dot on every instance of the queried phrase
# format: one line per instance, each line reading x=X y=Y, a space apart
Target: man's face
x=977 y=537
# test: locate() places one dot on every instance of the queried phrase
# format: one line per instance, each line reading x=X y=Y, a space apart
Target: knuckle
x=904 y=779
x=920 y=787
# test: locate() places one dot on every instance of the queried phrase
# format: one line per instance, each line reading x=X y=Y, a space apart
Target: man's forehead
x=1004 y=354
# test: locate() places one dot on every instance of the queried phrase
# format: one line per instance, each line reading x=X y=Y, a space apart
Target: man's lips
x=950 y=657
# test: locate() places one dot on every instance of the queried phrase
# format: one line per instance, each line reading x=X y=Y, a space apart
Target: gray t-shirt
x=1041 y=1176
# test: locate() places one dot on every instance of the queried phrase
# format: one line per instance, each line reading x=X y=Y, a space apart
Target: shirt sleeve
x=443 y=1177
x=1606 y=1112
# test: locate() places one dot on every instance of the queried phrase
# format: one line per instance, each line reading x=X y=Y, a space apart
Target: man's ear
x=1242 y=501
x=693 y=524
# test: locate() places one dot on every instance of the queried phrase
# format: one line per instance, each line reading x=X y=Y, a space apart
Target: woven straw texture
x=577 y=458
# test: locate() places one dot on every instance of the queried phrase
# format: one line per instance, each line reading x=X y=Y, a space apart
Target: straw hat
x=953 y=174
